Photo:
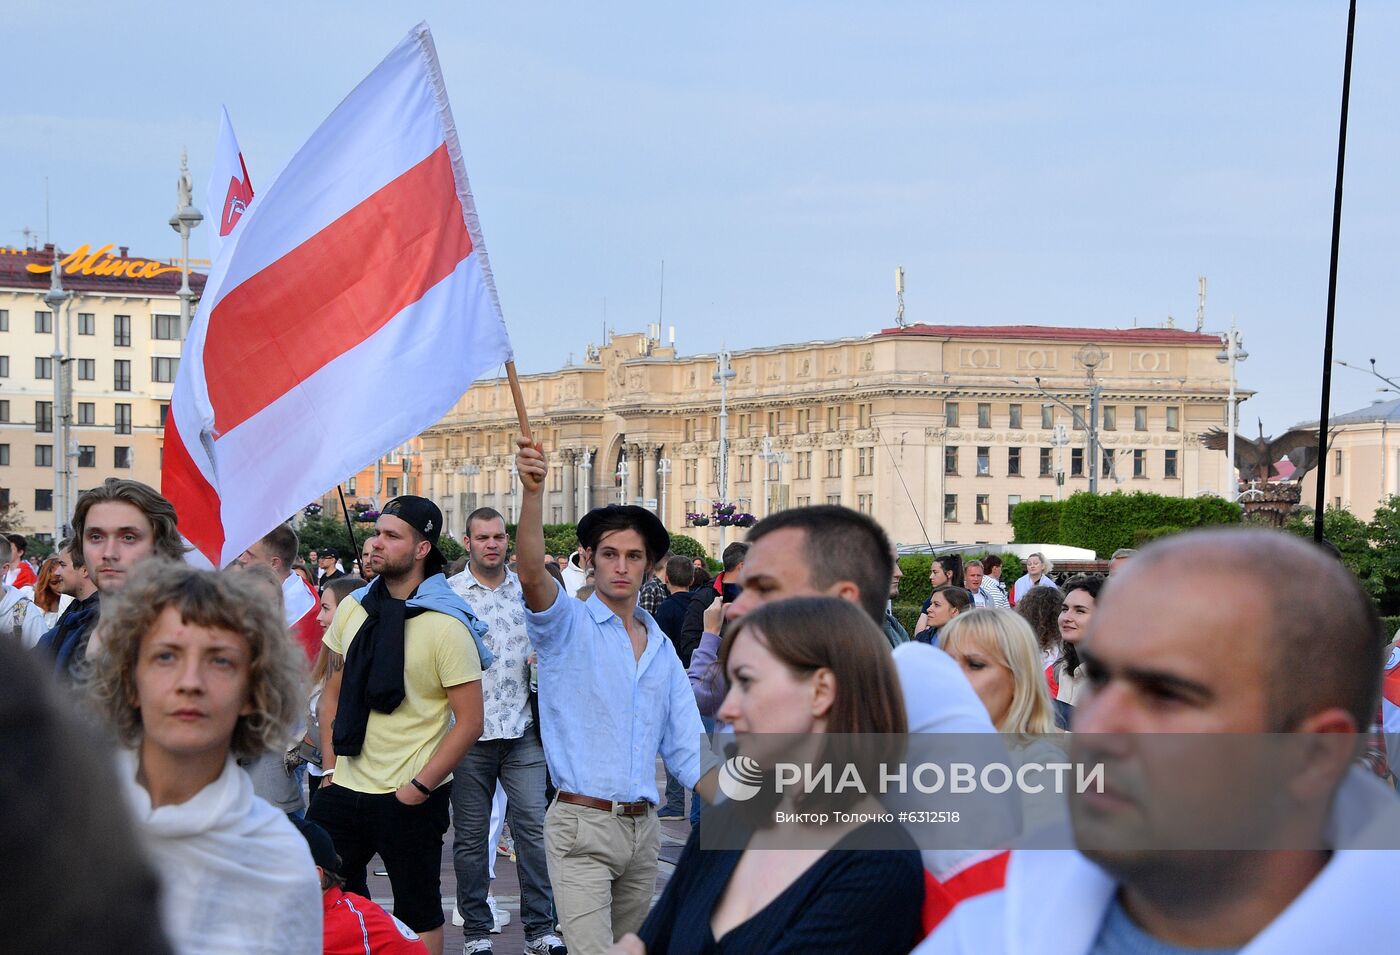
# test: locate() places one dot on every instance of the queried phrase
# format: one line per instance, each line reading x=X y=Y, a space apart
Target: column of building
x=649 y=476
x=567 y=458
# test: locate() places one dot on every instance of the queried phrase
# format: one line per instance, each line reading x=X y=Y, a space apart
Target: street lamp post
x=622 y=472
x=1091 y=426
x=1231 y=353
x=184 y=221
x=54 y=298
x=663 y=469
x=724 y=375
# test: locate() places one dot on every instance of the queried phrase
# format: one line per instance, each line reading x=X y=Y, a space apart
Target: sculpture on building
x=1256 y=458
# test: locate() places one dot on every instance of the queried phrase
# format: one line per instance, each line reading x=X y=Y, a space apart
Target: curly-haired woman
x=197 y=669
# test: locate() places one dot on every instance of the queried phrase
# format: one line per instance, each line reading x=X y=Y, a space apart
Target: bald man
x=1267 y=834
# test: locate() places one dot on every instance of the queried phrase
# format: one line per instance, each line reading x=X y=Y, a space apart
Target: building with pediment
x=936 y=431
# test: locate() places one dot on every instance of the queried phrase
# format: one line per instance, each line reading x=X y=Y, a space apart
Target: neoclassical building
x=936 y=431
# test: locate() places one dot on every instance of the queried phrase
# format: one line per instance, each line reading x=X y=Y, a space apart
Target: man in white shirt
x=1274 y=687
x=509 y=751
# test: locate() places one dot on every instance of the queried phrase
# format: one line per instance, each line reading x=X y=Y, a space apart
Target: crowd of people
x=228 y=750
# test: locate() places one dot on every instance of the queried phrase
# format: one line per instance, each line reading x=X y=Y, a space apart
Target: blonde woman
x=1001 y=658
x=197 y=669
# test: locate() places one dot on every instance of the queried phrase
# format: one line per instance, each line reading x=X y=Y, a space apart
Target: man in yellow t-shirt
x=406 y=657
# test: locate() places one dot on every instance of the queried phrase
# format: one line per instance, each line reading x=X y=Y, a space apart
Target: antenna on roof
x=1200 y=303
x=899 y=297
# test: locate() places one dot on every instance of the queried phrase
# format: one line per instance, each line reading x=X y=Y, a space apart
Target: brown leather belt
x=639 y=808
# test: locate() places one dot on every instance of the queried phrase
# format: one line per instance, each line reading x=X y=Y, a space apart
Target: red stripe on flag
x=940 y=898
x=333 y=291
x=196 y=502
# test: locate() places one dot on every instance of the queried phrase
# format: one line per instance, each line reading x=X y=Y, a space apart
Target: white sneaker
x=546 y=945
x=480 y=945
x=457 y=919
x=500 y=916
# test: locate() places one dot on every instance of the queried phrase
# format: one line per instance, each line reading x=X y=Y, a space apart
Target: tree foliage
x=686 y=546
x=1370 y=550
x=1105 y=522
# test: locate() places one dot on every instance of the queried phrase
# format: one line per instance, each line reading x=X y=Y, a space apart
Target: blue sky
x=1065 y=164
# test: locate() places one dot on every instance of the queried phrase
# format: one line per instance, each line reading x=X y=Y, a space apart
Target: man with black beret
x=612 y=695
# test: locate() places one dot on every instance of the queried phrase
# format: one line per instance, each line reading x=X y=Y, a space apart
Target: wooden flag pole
x=519 y=398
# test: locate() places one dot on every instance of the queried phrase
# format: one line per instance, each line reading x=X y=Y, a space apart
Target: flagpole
x=1320 y=503
x=519 y=398
x=344 y=509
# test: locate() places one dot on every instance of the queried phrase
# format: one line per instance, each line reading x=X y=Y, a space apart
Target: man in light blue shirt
x=612 y=694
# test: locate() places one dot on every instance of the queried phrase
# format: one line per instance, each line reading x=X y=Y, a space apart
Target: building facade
x=119 y=332
x=936 y=431
x=1363 y=460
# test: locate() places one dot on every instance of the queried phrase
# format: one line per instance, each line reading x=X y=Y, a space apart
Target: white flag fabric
x=229 y=192
x=354 y=308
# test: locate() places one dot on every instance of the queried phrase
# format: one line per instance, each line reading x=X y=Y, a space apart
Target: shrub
x=914 y=587
x=1143 y=535
x=1037 y=522
x=687 y=547
x=1105 y=522
x=908 y=613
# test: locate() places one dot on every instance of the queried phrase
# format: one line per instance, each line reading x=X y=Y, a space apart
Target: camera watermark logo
x=740 y=777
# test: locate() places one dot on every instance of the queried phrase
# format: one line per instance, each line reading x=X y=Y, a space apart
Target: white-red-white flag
x=229 y=192
x=354 y=308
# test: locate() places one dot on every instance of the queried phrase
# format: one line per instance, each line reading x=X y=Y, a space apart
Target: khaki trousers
x=603 y=870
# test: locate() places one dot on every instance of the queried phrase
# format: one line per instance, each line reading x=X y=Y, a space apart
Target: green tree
x=1348 y=534
x=686 y=546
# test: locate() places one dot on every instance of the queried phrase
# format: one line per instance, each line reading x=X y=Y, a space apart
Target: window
x=833 y=463
x=43 y=416
x=1139 y=463
x=121 y=456
x=950 y=508
x=834 y=499
x=43 y=455
x=1076 y=462
x=1173 y=419
x=804 y=500
x=1169 y=464
x=166 y=327
x=4 y=454
x=984 y=462
x=1106 y=467
x=863 y=412
x=1336 y=503
x=87 y=412
x=950 y=413
x=4 y=319
x=984 y=509
x=1140 y=418
x=984 y=414
x=5 y=411
x=87 y=323
x=1337 y=463
x=121 y=330
x=804 y=465
x=163 y=369
x=1014 y=416
x=391 y=487
x=122 y=417
x=863 y=503
x=43 y=325
x=688 y=430
x=1110 y=417
x=164 y=411
x=950 y=460
x=1047 y=464
x=121 y=375
x=87 y=369
x=87 y=455
x=863 y=461
x=745 y=420
x=43 y=369
x=775 y=421
x=1078 y=417
x=690 y=469
x=1011 y=501
x=745 y=467
x=804 y=420
x=43 y=499
x=1047 y=417
x=1013 y=462
x=1046 y=497
x=4 y=366
x=772 y=470
x=833 y=418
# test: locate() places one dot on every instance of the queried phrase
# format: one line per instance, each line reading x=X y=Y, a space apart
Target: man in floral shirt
x=509 y=751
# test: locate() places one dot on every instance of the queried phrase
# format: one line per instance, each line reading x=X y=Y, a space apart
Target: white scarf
x=236 y=876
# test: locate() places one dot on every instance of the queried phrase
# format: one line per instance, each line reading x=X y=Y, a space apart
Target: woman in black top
x=813 y=665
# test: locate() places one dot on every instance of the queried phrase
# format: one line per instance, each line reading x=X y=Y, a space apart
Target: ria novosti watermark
x=742 y=777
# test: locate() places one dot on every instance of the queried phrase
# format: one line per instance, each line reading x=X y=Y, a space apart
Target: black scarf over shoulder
x=373 y=677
